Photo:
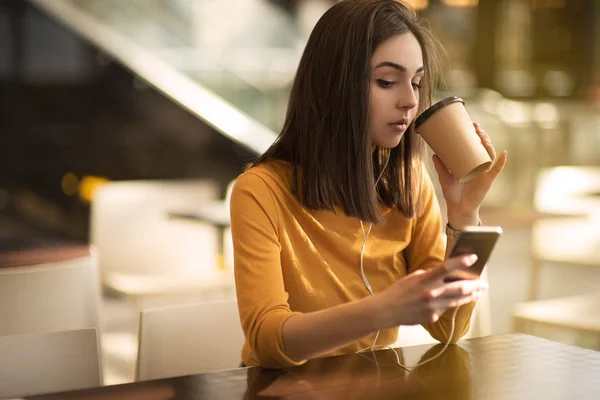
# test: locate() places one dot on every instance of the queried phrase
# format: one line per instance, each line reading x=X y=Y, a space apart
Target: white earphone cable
x=370 y=289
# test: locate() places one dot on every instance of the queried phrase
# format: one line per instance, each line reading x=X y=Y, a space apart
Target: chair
x=56 y=293
x=188 y=339
x=215 y=213
x=571 y=320
x=144 y=252
x=48 y=362
x=571 y=195
x=48 y=290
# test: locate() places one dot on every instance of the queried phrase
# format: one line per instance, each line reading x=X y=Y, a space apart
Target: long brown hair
x=326 y=133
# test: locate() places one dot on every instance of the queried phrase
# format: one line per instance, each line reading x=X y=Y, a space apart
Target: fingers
x=444 y=174
x=498 y=162
x=456 y=294
x=434 y=275
x=485 y=140
x=458 y=289
x=442 y=304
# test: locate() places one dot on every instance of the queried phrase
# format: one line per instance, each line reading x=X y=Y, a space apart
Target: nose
x=407 y=99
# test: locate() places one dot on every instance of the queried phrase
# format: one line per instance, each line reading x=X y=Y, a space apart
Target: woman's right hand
x=423 y=296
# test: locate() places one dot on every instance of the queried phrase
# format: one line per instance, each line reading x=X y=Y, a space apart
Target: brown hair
x=326 y=134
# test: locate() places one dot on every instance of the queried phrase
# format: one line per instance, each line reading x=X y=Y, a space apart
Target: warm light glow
x=490 y=100
x=69 y=184
x=568 y=190
x=571 y=183
x=461 y=3
x=89 y=185
x=514 y=113
x=546 y=115
x=418 y=4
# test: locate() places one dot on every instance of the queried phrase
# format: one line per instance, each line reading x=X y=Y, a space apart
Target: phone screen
x=480 y=241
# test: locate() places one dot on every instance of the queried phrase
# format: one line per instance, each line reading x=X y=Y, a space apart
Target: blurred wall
x=34 y=48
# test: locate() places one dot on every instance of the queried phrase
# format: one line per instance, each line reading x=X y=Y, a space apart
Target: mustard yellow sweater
x=290 y=260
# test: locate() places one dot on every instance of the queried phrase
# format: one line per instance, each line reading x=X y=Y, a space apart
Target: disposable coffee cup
x=447 y=128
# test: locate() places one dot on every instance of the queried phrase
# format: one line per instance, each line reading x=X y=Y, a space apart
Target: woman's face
x=396 y=74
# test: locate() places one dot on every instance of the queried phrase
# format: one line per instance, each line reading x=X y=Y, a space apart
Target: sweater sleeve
x=426 y=250
x=261 y=296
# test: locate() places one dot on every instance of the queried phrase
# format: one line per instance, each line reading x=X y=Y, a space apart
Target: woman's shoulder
x=272 y=174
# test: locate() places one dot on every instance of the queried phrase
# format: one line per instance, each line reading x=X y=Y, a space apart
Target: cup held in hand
x=447 y=128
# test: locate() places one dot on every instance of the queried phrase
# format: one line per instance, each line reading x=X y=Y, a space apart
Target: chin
x=389 y=143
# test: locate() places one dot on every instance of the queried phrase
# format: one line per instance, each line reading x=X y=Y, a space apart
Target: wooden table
x=512 y=366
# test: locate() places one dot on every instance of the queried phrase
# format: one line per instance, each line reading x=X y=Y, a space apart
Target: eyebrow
x=399 y=67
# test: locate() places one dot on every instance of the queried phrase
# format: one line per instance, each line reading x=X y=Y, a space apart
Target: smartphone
x=478 y=240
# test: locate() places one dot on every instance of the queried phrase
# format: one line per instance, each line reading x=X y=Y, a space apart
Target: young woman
x=336 y=228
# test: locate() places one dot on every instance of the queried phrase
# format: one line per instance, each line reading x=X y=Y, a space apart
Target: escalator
x=144 y=90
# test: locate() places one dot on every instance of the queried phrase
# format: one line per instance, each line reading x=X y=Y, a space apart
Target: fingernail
x=469 y=260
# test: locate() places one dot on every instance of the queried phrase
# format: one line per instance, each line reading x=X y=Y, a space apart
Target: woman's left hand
x=464 y=199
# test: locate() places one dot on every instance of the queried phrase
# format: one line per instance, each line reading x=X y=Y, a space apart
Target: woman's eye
x=416 y=86
x=384 y=84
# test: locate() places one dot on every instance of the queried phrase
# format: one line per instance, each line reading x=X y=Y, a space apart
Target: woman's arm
x=463 y=200
x=427 y=249
x=419 y=298
x=310 y=335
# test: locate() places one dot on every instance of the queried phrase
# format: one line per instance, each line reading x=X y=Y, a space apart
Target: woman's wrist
x=382 y=312
x=458 y=220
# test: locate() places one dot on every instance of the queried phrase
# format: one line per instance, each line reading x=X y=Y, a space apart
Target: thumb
x=451 y=264
x=499 y=164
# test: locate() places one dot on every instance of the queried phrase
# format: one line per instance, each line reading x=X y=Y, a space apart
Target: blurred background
x=123 y=124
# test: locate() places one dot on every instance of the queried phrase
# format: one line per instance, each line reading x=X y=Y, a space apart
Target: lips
x=400 y=125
